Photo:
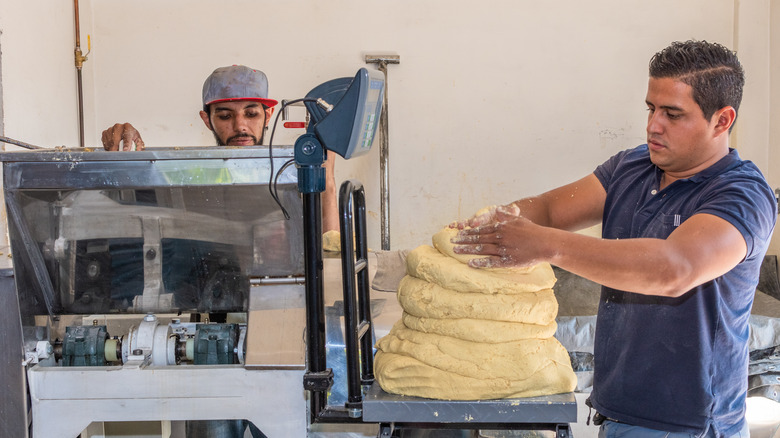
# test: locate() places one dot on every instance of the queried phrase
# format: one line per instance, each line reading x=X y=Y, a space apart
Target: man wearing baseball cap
x=237 y=110
x=236 y=107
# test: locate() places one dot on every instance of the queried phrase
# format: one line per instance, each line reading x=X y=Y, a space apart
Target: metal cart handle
x=357 y=300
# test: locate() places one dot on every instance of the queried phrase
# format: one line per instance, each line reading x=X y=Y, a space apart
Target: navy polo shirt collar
x=726 y=163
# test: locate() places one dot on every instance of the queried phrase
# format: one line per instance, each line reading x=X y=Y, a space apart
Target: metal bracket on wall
x=384 y=156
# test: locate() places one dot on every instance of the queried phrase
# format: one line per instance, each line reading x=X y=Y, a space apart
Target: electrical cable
x=281 y=170
x=273 y=178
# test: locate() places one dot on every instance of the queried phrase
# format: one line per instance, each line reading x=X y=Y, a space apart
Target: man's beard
x=255 y=140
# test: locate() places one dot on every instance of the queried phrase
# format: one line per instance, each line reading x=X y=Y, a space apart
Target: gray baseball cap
x=236 y=82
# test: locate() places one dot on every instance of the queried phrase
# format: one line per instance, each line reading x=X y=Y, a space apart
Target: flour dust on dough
x=472 y=334
x=427 y=263
x=442 y=241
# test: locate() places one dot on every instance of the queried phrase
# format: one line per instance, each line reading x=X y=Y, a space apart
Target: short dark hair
x=711 y=69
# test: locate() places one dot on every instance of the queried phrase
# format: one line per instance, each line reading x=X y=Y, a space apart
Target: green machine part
x=215 y=344
x=84 y=346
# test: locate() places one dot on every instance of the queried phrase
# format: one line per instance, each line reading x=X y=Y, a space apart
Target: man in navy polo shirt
x=685 y=225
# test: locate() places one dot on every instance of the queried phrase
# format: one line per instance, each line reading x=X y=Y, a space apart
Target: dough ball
x=406 y=375
x=427 y=263
x=331 y=241
x=478 y=330
x=423 y=299
x=471 y=334
x=516 y=360
x=443 y=242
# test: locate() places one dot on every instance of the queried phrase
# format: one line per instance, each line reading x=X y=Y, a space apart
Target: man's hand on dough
x=494 y=213
x=508 y=243
x=120 y=137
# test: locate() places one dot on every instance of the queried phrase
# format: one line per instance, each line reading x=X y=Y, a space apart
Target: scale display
x=350 y=128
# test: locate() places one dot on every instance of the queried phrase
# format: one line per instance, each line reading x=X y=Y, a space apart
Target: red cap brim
x=267 y=102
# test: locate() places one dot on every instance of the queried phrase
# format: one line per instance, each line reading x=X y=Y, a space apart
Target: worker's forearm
x=534 y=209
x=330 y=210
x=330 y=206
x=645 y=266
x=538 y=210
x=572 y=207
x=539 y=229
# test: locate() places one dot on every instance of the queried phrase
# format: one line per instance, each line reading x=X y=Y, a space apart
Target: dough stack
x=473 y=334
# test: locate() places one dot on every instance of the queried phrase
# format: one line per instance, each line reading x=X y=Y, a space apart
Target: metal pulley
x=150 y=342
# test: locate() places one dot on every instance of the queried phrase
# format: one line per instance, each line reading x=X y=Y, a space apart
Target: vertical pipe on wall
x=384 y=151
x=384 y=168
x=79 y=62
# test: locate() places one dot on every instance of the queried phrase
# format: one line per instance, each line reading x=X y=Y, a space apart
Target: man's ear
x=723 y=119
x=268 y=113
x=206 y=119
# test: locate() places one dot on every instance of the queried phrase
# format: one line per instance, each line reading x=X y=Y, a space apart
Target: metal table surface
x=382 y=407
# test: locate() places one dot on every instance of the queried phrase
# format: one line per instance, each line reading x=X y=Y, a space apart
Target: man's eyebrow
x=248 y=105
x=665 y=107
x=251 y=105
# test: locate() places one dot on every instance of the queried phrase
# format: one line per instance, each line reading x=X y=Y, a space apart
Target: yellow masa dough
x=406 y=375
x=426 y=263
x=479 y=330
x=516 y=360
x=424 y=299
x=331 y=241
x=443 y=242
x=471 y=334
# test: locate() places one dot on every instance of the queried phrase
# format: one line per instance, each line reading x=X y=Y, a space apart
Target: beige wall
x=491 y=101
x=38 y=73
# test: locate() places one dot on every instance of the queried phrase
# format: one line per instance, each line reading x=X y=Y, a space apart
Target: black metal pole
x=354 y=397
x=357 y=300
x=364 y=294
x=315 y=314
x=80 y=107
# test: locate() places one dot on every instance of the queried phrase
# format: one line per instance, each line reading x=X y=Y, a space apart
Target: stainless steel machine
x=186 y=284
x=144 y=281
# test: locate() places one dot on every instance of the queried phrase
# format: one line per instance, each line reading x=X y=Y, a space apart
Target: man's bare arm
x=571 y=207
x=330 y=209
x=704 y=247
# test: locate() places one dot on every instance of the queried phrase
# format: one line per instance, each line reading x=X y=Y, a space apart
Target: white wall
x=491 y=101
x=38 y=72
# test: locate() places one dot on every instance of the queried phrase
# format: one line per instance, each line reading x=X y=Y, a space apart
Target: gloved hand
x=121 y=137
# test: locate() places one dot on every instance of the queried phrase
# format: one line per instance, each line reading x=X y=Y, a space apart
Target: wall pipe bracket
x=384 y=154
